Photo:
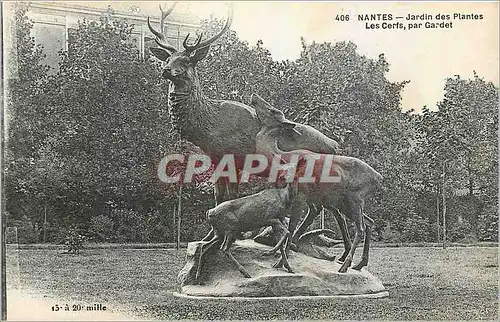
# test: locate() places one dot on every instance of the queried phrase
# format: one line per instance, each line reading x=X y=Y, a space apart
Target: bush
x=461 y=231
x=391 y=235
x=130 y=226
x=74 y=240
x=433 y=233
x=101 y=228
x=159 y=227
x=415 y=229
x=488 y=224
x=26 y=232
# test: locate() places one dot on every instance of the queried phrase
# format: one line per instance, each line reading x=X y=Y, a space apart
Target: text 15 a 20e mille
x=78 y=307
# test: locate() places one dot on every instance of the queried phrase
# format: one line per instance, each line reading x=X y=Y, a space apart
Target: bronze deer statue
x=268 y=207
x=273 y=122
x=219 y=127
x=357 y=181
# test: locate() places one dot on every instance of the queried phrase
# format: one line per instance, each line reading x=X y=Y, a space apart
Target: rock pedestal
x=313 y=277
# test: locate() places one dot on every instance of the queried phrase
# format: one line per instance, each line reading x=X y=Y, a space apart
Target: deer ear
x=160 y=53
x=199 y=54
x=264 y=109
x=256 y=100
x=290 y=126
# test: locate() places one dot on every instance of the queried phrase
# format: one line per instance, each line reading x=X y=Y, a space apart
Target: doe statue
x=266 y=208
x=356 y=183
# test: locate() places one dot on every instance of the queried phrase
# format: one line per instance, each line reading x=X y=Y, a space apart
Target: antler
x=200 y=44
x=160 y=38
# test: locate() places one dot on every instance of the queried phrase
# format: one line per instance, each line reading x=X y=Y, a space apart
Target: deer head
x=287 y=134
x=179 y=65
x=269 y=116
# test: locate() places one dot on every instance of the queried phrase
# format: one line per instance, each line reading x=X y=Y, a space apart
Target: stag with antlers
x=220 y=127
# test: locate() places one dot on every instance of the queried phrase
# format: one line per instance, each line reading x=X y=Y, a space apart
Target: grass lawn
x=424 y=283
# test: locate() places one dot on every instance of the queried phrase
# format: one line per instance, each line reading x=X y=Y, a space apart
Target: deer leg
x=345 y=233
x=232 y=190
x=348 y=260
x=232 y=193
x=325 y=255
x=356 y=215
x=204 y=249
x=281 y=229
x=220 y=190
x=295 y=215
x=366 y=246
x=278 y=229
x=242 y=270
x=210 y=235
x=312 y=213
x=273 y=250
x=225 y=242
x=283 y=260
x=228 y=241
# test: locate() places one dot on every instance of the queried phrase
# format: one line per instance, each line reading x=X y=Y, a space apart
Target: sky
x=426 y=57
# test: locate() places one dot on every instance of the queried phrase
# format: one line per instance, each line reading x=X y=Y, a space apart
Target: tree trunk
x=471 y=179
x=174 y=227
x=322 y=218
x=437 y=214
x=45 y=224
x=443 y=193
x=179 y=213
x=472 y=199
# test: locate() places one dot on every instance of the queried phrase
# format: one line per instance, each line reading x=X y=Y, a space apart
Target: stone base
x=312 y=277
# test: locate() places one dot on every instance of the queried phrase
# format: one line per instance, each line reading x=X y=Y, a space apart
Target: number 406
x=342 y=18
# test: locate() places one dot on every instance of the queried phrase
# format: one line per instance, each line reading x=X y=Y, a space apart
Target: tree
x=234 y=70
x=84 y=144
x=460 y=144
x=25 y=129
x=101 y=127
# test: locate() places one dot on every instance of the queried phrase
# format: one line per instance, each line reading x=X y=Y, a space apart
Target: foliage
x=74 y=240
x=459 y=145
x=391 y=235
x=101 y=228
x=488 y=223
x=102 y=125
x=26 y=232
x=236 y=78
x=415 y=229
x=26 y=131
x=461 y=231
x=83 y=144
